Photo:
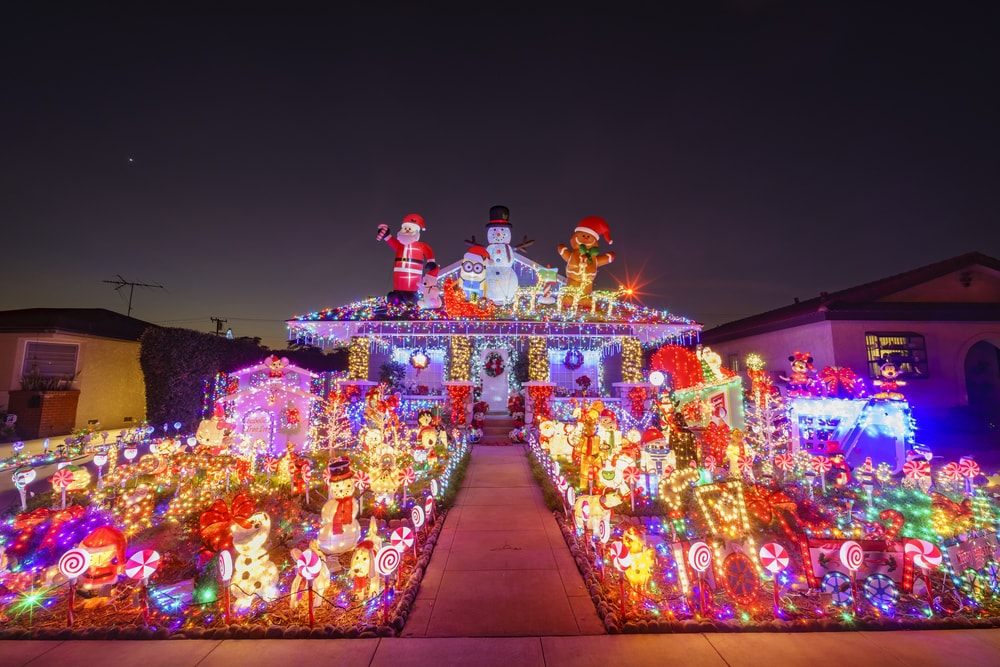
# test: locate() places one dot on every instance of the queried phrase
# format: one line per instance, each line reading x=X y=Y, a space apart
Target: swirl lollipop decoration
x=72 y=564
x=270 y=466
x=852 y=557
x=308 y=566
x=387 y=560
x=402 y=538
x=141 y=566
x=699 y=557
x=774 y=558
x=622 y=560
x=362 y=481
x=745 y=466
x=630 y=475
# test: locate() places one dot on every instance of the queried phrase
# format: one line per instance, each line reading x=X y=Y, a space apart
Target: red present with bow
x=841 y=382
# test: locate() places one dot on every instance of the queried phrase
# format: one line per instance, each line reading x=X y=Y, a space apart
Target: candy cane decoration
x=895 y=520
x=22 y=478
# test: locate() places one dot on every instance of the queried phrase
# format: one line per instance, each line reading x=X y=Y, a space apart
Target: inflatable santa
x=413 y=259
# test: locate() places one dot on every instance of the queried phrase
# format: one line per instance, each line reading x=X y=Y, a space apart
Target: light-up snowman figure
x=501 y=281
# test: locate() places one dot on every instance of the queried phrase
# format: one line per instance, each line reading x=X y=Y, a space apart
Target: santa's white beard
x=407 y=239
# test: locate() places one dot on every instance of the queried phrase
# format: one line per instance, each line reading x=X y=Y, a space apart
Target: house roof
x=863 y=302
x=91 y=321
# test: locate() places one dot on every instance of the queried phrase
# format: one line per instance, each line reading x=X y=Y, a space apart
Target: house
x=939 y=324
x=559 y=344
x=97 y=347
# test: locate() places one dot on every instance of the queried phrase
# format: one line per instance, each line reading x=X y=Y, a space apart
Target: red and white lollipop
x=852 y=556
x=402 y=538
x=308 y=564
x=142 y=564
x=773 y=557
x=699 y=556
x=387 y=559
x=924 y=554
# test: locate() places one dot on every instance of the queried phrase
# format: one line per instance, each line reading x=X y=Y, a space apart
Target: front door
x=494 y=378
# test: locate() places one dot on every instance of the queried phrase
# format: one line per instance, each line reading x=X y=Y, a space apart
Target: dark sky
x=743 y=152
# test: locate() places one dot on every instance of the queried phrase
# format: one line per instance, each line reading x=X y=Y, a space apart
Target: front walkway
x=501 y=567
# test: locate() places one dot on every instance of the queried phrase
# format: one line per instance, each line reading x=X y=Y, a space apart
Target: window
x=565 y=378
x=733 y=362
x=53 y=360
x=905 y=349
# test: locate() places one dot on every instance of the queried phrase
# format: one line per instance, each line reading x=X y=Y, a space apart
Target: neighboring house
x=98 y=347
x=940 y=324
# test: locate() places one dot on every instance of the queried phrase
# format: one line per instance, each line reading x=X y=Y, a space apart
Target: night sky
x=744 y=153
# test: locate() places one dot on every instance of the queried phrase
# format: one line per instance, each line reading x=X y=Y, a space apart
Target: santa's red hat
x=416 y=219
x=596 y=227
x=652 y=434
x=477 y=253
x=606 y=412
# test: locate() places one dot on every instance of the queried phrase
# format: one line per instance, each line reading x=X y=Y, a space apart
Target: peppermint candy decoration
x=821 y=464
x=604 y=529
x=700 y=556
x=709 y=463
x=326 y=476
x=919 y=469
x=620 y=556
x=62 y=478
x=73 y=563
x=307 y=473
x=407 y=476
x=387 y=559
x=434 y=487
x=784 y=462
x=562 y=484
x=851 y=555
x=968 y=468
x=953 y=472
x=270 y=465
x=570 y=495
x=925 y=554
x=631 y=475
x=773 y=557
x=429 y=506
x=142 y=564
x=308 y=565
x=585 y=510
x=745 y=465
x=362 y=481
x=402 y=538
x=417 y=516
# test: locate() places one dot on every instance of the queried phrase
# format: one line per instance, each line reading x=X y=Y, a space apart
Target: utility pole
x=218 y=324
x=120 y=282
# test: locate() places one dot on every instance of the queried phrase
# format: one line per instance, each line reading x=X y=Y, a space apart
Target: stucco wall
x=110 y=382
x=776 y=346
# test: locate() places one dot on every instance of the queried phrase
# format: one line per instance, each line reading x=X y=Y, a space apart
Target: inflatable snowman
x=340 y=530
x=501 y=281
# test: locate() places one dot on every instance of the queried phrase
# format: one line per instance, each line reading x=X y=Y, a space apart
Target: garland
x=494 y=364
x=573 y=359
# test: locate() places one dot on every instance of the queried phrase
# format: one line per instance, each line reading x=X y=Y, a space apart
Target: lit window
x=905 y=349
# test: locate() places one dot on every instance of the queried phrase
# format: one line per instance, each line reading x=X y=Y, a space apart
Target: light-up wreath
x=419 y=360
x=494 y=364
x=573 y=359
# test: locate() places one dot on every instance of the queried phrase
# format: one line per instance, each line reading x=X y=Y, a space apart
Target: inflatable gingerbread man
x=583 y=260
x=413 y=258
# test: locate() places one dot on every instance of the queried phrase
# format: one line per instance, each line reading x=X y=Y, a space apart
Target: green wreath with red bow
x=494 y=364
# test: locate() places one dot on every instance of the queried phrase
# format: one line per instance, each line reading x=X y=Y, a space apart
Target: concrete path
x=501 y=567
x=857 y=649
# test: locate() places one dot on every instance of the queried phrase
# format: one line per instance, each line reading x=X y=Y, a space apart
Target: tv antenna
x=120 y=282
